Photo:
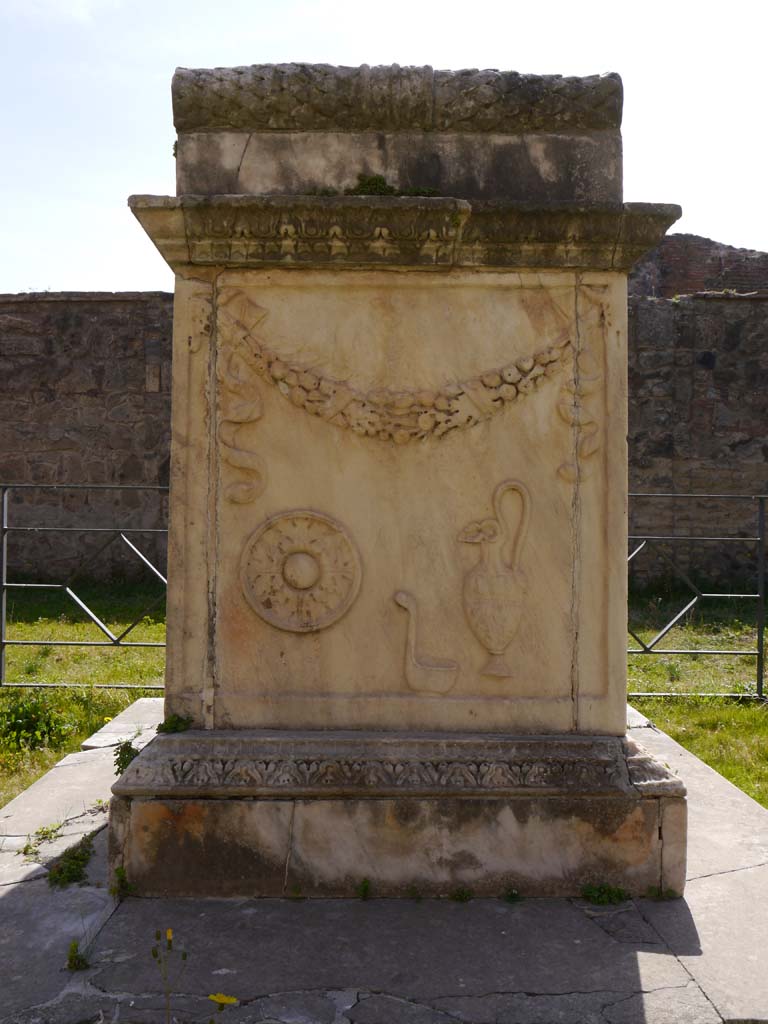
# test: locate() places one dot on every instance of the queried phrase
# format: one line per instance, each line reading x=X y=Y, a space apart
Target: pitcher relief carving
x=423 y=673
x=495 y=587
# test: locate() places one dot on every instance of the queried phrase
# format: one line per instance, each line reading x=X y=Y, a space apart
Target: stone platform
x=275 y=813
x=689 y=961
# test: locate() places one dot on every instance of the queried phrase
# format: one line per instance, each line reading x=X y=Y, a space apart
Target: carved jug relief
x=430 y=675
x=300 y=571
x=494 y=588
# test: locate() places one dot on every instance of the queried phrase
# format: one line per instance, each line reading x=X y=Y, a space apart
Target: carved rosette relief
x=494 y=588
x=300 y=571
x=398 y=416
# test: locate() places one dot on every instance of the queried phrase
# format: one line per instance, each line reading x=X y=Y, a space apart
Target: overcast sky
x=85 y=88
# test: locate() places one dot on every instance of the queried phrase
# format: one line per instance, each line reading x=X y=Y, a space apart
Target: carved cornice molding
x=364 y=232
x=321 y=97
x=247 y=763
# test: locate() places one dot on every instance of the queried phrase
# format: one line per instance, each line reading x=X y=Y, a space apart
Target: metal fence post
x=3 y=575
x=760 y=594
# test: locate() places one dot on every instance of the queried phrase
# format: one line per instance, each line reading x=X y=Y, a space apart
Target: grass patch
x=38 y=727
x=51 y=615
x=729 y=736
x=730 y=625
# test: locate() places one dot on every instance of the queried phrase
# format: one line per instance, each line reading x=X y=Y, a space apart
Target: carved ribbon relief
x=576 y=408
x=240 y=400
x=402 y=415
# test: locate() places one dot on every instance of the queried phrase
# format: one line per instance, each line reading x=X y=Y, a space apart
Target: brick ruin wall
x=86 y=399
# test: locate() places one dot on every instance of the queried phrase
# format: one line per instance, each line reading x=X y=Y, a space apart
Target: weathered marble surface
x=401 y=431
x=298 y=128
x=398 y=493
x=309 y=97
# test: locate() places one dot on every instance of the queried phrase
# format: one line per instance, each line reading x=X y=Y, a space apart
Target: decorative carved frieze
x=246 y=763
x=372 y=231
x=313 y=97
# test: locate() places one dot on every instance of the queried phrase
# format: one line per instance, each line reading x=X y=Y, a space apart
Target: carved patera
x=300 y=571
x=313 y=97
x=403 y=415
x=422 y=672
x=495 y=587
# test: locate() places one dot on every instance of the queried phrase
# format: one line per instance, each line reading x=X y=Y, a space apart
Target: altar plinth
x=397 y=555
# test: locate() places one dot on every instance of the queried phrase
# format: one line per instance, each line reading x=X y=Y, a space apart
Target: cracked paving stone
x=294 y=1008
x=380 y=1009
x=72 y=1008
x=524 y=1008
x=625 y=924
x=685 y=1005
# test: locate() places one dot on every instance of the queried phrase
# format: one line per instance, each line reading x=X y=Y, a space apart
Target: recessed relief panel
x=409 y=555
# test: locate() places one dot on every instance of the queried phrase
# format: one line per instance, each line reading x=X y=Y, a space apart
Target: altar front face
x=415 y=508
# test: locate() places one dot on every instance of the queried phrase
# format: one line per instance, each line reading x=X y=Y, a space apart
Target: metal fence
x=662 y=544
x=110 y=535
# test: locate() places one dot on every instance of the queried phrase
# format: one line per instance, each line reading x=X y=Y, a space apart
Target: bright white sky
x=86 y=107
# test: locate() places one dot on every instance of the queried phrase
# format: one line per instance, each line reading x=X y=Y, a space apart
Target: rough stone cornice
x=321 y=97
x=362 y=232
x=252 y=763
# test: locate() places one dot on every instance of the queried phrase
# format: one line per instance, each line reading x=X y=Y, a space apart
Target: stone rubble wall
x=86 y=399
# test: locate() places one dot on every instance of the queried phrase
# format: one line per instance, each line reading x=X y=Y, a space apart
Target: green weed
x=72 y=866
x=604 y=895
x=76 y=961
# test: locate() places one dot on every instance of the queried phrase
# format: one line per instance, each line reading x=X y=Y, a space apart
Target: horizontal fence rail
x=659 y=542
x=109 y=534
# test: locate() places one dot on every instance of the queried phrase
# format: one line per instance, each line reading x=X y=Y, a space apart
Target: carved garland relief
x=397 y=416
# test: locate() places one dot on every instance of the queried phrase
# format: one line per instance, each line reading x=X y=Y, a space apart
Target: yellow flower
x=222 y=1000
x=169 y=934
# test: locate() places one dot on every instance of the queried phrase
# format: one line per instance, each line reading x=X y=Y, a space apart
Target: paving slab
x=727 y=830
x=77 y=784
x=690 y=961
x=137 y=723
